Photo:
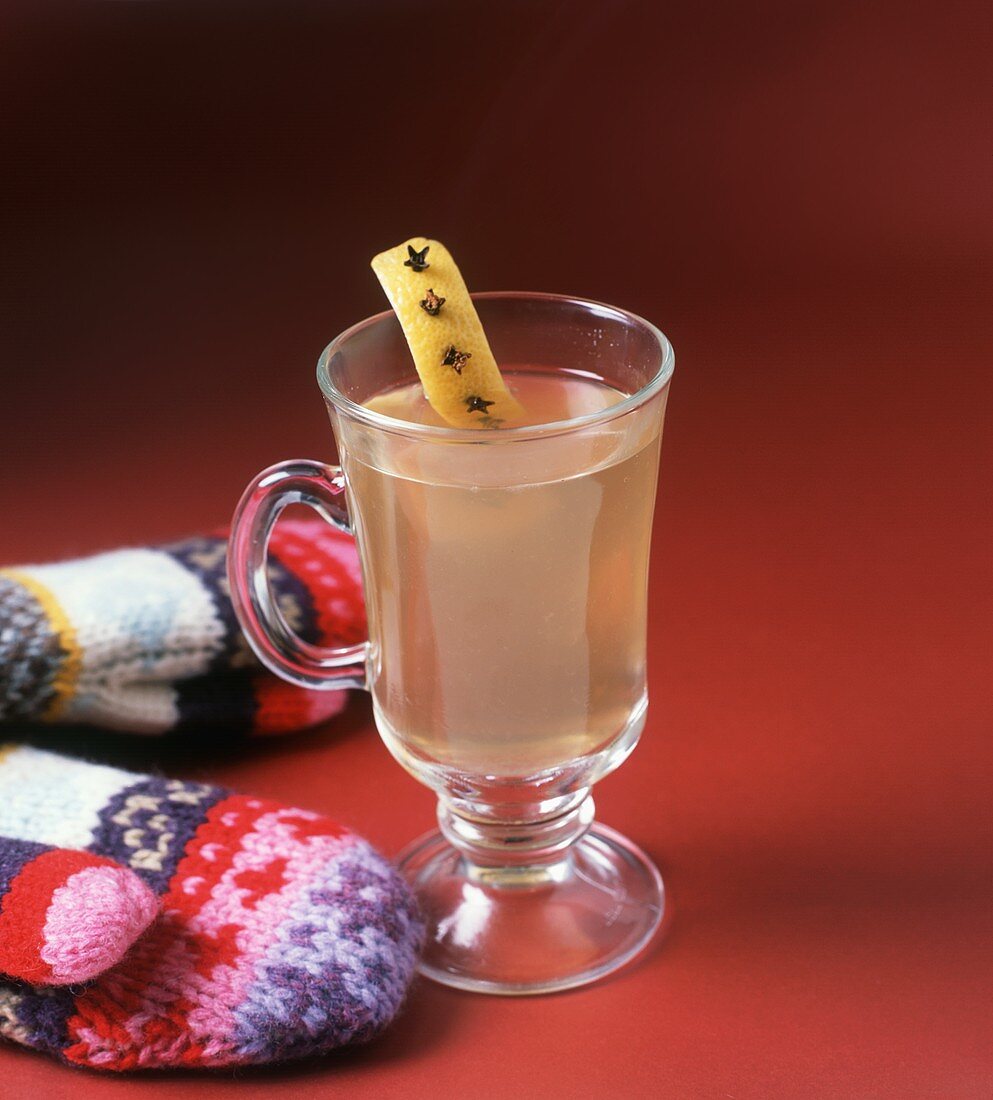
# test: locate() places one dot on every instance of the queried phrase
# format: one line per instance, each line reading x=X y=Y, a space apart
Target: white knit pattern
x=54 y=800
x=140 y=619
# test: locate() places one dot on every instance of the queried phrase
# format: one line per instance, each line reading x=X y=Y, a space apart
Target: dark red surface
x=799 y=194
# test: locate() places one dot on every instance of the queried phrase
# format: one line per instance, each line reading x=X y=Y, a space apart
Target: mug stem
x=507 y=853
x=531 y=906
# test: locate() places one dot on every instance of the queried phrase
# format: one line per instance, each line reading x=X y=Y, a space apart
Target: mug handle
x=277 y=646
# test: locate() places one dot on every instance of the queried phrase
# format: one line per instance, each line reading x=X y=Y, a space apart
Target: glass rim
x=505 y=435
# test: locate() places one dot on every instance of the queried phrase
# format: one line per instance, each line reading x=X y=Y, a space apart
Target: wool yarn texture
x=279 y=932
x=146 y=640
x=65 y=915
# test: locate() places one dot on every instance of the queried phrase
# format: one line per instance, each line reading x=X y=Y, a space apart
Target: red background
x=799 y=194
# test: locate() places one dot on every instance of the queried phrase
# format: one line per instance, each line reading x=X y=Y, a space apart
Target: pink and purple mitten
x=279 y=933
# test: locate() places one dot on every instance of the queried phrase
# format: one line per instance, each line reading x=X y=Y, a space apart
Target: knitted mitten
x=281 y=934
x=146 y=640
x=66 y=916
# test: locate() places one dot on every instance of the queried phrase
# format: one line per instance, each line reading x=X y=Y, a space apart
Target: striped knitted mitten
x=66 y=916
x=281 y=934
x=146 y=640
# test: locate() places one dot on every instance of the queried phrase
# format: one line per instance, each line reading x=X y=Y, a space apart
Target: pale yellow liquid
x=506 y=585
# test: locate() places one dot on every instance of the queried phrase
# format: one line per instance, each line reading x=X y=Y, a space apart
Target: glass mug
x=505 y=576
